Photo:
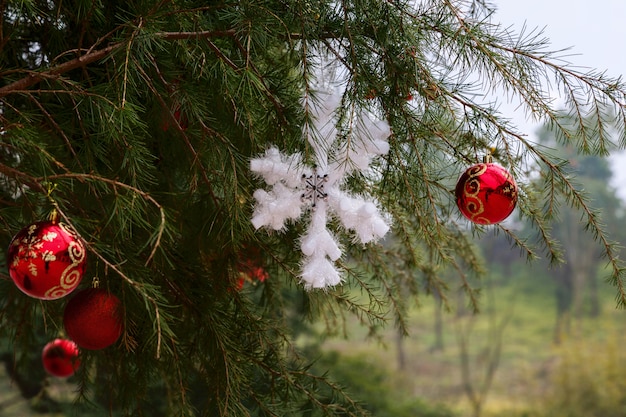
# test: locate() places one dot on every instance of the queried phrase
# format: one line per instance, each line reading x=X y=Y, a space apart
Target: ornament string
x=54 y=214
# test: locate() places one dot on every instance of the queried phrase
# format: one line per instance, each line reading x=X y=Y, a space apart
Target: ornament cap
x=487 y=159
x=53 y=217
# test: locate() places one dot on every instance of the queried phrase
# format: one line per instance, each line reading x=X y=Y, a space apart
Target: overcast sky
x=594 y=32
x=595 y=29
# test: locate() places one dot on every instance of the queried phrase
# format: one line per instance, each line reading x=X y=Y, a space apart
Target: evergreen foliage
x=137 y=120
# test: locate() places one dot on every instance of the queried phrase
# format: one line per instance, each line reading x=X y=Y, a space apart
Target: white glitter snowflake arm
x=359 y=214
x=321 y=249
x=283 y=201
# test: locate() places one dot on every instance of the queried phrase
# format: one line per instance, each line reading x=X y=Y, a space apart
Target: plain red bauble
x=486 y=193
x=46 y=260
x=93 y=318
x=60 y=358
x=180 y=118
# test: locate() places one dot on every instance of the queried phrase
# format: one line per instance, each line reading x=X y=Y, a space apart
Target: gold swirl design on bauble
x=471 y=189
x=71 y=275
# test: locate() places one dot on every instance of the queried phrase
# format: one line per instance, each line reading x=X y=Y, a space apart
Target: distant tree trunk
x=564 y=293
x=594 y=299
x=438 y=345
x=582 y=261
x=400 y=350
x=579 y=279
x=477 y=373
x=461 y=306
x=584 y=273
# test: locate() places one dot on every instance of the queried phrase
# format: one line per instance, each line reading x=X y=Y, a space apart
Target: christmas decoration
x=251 y=274
x=93 y=318
x=320 y=189
x=46 y=260
x=60 y=358
x=486 y=193
x=249 y=268
x=180 y=118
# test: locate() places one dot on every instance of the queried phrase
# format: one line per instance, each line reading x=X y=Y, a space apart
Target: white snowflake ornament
x=296 y=189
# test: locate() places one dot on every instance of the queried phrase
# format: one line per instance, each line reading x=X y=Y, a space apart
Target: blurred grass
x=529 y=378
x=59 y=390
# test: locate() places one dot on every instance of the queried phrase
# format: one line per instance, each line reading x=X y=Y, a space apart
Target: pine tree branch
x=597 y=87
x=22 y=178
x=196 y=157
x=196 y=35
x=92 y=56
x=36 y=77
x=57 y=128
x=115 y=183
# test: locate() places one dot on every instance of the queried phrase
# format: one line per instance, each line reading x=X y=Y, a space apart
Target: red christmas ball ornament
x=47 y=260
x=252 y=274
x=486 y=193
x=60 y=358
x=249 y=267
x=93 y=318
x=180 y=118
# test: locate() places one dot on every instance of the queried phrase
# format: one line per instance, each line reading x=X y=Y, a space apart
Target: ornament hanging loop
x=50 y=187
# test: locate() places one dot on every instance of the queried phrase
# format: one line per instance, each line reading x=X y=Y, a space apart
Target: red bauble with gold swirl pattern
x=47 y=260
x=486 y=193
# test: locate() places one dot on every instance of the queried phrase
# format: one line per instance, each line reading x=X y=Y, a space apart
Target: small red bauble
x=47 y=260
x=93 y=318
x=249 y=267
x=60 y=358
x=180 y=118
x=251 y=273
x=486 y=193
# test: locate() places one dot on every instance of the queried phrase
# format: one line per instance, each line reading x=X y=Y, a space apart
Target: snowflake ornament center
x=314 y=188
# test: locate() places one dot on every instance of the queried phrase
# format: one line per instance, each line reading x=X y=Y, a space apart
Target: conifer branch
x=22 y=178
x=138 y=287
x=35 y=77
x=56 y=127
x=196 y=157
x=576 y=199
x=115 y=183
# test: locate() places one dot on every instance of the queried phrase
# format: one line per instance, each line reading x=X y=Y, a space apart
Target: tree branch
x=36 y=77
